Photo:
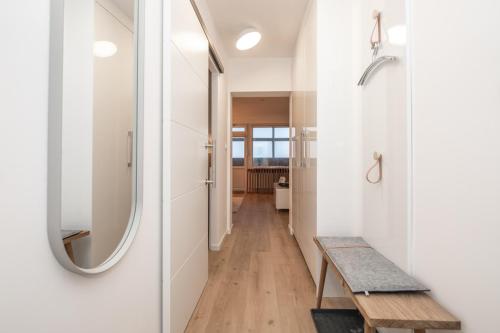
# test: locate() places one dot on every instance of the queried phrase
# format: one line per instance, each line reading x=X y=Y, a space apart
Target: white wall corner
x=230 y=228
x=218 y=246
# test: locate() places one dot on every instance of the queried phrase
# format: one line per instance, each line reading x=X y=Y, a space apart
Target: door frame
x=229 y=137
x=214 y=114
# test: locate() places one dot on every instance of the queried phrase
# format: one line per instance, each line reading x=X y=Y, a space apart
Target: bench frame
x=430 y=314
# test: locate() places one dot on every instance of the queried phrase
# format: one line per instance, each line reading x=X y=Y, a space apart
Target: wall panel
x=457 y=157
x=384 y=118
x=38 y=295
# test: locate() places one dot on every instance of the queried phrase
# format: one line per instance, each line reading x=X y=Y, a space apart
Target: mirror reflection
x=98 y=128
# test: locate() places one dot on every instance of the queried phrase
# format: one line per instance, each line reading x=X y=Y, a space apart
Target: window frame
x=239 y=134
x=244 y=140
x=244 y=136
x=273 y=139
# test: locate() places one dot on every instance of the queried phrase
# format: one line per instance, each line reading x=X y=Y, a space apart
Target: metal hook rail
x=375 y=42
x=373 y=66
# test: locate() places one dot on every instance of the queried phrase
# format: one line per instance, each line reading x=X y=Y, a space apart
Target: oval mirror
x=95 y=131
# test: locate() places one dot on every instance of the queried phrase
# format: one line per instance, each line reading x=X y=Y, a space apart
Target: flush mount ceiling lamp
x=248 y=39
x=104 y=49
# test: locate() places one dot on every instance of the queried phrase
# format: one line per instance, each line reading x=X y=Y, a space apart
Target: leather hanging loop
x=376 y=37
x=378 y=163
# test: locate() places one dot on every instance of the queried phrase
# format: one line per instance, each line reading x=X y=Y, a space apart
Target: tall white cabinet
x=326 y=131
x=304 y=156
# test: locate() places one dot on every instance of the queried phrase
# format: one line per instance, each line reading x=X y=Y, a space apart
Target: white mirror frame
x=54 y=216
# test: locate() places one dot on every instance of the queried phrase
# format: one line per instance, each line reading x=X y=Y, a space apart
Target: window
x=238 y=129
x=238 y=150
x=270 y=146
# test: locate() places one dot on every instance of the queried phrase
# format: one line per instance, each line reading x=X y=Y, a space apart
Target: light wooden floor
x=259 y=281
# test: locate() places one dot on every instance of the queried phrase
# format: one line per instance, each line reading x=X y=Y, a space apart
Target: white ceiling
x=126 y=6
x=277 y=20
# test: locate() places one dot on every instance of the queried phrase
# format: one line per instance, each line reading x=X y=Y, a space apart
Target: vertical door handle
x=304 y=152
x=208 y=182
x=212 y=163
x=130 y=148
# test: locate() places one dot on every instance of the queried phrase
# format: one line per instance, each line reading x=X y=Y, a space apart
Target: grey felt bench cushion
x=339 y=242
x=365 y=269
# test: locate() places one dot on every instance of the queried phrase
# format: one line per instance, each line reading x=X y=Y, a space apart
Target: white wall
x=38 y=295
x=383 y=113
x=259 y=74
x=339 y=126
x=338 y=121
x=457 y=157
x=384 y=117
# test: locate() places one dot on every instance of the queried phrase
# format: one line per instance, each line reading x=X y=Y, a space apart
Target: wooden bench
x=69 y=237
x=408 y=310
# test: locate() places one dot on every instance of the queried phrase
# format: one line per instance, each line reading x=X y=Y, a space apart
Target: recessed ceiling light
x=248 y=39
x=104 y=49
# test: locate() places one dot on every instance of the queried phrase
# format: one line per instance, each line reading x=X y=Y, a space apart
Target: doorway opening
x=248 y=153
x=260 y=148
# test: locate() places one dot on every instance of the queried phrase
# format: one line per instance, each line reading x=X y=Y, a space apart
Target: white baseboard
x=290 y=229
x=218 y=246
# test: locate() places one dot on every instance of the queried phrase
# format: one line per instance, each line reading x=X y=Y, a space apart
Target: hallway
x=259 y=281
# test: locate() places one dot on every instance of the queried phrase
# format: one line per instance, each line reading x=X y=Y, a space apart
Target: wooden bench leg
x=324 y=265
x=369 y=329
x=69 y=251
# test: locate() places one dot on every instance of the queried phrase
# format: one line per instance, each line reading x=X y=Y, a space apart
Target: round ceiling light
x=248 y=39
x=104 y=49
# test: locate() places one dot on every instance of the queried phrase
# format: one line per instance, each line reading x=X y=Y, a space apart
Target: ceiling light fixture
x=104 y=49
x=248 y=39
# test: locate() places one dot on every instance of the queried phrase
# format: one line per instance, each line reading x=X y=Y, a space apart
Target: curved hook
x=378 y=162
x=375 y=42
x=373 y=66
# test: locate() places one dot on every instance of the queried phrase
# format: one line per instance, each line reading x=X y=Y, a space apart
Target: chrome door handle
x=130 y=148
x=208 y=182
x=303 y=151
x=212 y=163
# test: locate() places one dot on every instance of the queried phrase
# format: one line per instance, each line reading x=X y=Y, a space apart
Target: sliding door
x=189 y=163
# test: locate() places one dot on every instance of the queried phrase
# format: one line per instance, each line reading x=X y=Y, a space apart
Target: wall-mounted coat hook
x=378 y=163
x=375 y=42
x=376 y=37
